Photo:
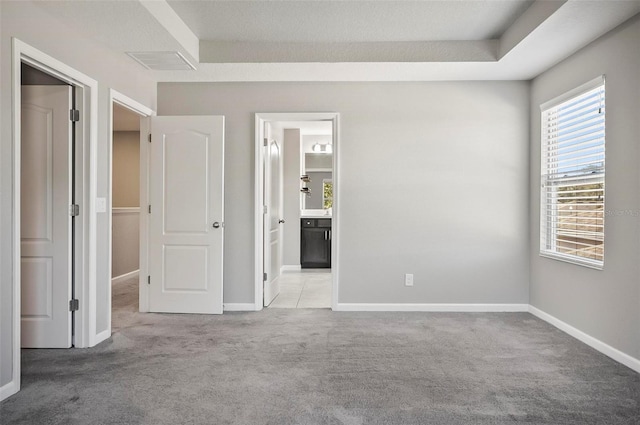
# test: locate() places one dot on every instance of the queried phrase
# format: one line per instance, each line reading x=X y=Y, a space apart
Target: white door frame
x=260 y=119
x=145 y=113
x=86 y=183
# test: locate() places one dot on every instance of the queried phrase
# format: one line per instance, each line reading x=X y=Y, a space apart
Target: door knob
x=216 y=225
x=281 y=221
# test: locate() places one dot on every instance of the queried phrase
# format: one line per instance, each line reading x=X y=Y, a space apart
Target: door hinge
x=149 y=137
x=148 y=280
x=74 y=305
x=74 y=210
x=74 y=115
x=266 y=142
x=264 y=209
x=149 y=209
x=264 y=277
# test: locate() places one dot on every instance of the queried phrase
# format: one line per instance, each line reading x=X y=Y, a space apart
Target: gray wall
x=30 y=22
x=451 y=205
x=318 y=160
x=604 y=304
x=291 y=193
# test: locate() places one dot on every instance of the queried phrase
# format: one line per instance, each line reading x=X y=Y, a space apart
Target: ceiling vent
x=162 y=61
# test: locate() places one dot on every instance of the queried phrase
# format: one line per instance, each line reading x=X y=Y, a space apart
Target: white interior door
x=273 y=216
x=186 y=221
x=45 y=232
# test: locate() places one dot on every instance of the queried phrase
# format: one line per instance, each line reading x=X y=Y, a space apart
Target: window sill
x=592 y=264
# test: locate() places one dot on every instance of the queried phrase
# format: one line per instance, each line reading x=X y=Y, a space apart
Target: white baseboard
x=434 y=307
x=238 y=307
x=8 y=389
x=290 y=268
x=123 y=277
x=592 y=342
x=101 y=337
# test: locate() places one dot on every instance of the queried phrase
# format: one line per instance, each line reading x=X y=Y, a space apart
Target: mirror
x=317 y=175
x=316 y=168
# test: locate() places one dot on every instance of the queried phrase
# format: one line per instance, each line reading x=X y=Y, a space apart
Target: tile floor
x=308 y=288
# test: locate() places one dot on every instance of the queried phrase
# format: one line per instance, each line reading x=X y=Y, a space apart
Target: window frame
x=548 y=226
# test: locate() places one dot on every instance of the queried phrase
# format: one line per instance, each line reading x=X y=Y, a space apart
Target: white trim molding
x=129 y=103
x=102 y=336
x=604 y=348
x=9 y=389
x=239 y=307
x=434 y=307
x=290 y=268
x=125 y=277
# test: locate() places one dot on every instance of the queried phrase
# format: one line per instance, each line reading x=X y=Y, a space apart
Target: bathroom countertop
x=315 y=215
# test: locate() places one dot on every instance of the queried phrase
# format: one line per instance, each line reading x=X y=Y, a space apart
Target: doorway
x=297 y=214
x=79 y=296
x=125 y=212
x=181 y=168
x=128 y=180
x=47 y=210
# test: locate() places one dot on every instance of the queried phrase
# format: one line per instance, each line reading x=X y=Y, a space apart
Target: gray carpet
x=321 y=367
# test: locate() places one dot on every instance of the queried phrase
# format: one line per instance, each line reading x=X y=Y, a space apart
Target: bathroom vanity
x=315 y=242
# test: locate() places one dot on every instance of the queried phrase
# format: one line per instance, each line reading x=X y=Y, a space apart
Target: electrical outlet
x=408 y=279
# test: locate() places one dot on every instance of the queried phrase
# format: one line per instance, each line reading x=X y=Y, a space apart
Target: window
x=327 y=193
x=573 y=172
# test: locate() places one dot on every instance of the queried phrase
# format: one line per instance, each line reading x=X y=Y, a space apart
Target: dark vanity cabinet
x=315 y=243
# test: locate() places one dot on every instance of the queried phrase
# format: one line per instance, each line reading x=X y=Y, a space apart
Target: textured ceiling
x=348 y=40
x=348 y=21
x=122 y=25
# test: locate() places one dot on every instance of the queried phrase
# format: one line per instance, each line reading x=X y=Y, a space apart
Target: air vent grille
x=162 y=61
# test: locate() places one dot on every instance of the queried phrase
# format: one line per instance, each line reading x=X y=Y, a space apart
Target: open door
x=46 y=219
x=273 y=216
x=186 y=214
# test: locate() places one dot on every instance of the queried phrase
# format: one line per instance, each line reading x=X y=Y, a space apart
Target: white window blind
x=573 y=171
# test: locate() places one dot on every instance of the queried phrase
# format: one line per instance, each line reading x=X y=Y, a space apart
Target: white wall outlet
x=101 y=205
x=408 y=279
